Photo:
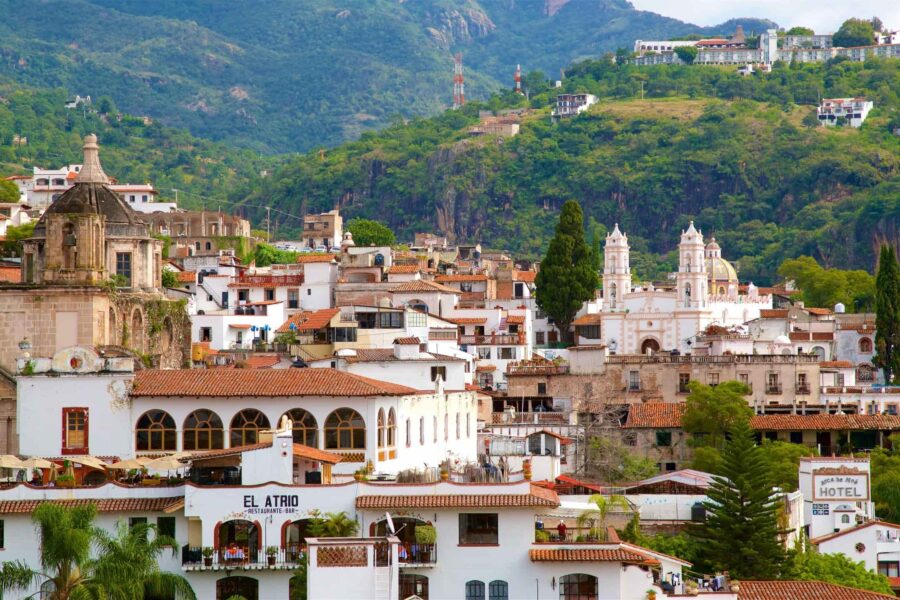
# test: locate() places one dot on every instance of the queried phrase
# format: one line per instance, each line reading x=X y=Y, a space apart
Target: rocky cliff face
x=450 y=26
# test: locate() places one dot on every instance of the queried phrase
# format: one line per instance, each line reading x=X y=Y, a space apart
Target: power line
x=234 y=203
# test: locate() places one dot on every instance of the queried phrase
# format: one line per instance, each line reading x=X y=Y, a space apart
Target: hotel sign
x=843 y=484
x=271 y=504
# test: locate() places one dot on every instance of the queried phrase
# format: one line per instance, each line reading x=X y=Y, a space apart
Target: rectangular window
x=796 y=437
x=507 y=354
x=243 y=295
x=484 y=353
x=684 y=383
x=542 y=389
x=270 y=295
x=132 y=521
x=421 y=431
x=2 y=534
x=166 y=526
x=478 y=528
x=391 y=320
x=664 y=438
x=123 y=268
x=591 y=332
x=468 y=425
x=713 y=379
x=293 y=298
x=744 y=378
x=408 y=434
x=634 y=381
x=75 y=431
x=416 y=319
x=439 y=371
x=539 y=338
x=144 y=198
x=206 y=334
x=889 y=569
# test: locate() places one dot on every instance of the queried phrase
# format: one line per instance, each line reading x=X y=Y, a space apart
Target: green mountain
x=742 y=156
x=284 y=75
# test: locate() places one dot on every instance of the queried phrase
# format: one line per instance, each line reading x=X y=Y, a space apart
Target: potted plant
x=426 y=536
x=526 y=469
x=271 y=553
x=651 y=594
x=207 y=556
x=65 y=481
x=153 y=480
x=691 y=588
x=361 y=474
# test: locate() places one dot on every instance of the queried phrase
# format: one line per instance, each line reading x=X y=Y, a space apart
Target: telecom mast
x=459 y=86
x=518 y=79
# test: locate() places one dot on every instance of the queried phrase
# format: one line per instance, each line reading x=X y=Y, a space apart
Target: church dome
x=720 y=269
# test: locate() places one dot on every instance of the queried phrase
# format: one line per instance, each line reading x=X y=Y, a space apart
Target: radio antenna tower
x=518 y=79
x=459 y=86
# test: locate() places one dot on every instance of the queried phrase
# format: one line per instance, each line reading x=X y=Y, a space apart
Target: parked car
x=321 y=248
x=335 y=250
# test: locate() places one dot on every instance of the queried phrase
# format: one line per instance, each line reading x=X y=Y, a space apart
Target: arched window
x=413 y=585
x=865 y=374
x=245 y=427
x=474 y=590
x=687 y=292
x=155 y=431
x=209 y=245
x=498 y=590
x=203 y=431
x=421 y=431
x=865 y=345
x=237 y=586
x=306 y=430
x=382 y=428
x=392 y=429
x=845 y=519
x=578 y=586
x=345 y=429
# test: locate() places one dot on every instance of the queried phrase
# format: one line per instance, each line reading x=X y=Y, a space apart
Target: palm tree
x=597 y=516
x=65 y=541
x=340 y=525
x=128 y=564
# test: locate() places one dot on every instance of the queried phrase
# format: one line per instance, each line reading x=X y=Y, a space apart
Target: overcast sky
x=824 y=17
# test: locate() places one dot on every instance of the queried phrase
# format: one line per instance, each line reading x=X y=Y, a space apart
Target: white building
x=570 y=105
x=642 y=47
x=853 y=111
x=836 y=494
x=637 y=319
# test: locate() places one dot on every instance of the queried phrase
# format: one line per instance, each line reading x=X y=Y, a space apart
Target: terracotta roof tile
x=773 y=313
x=831 y=536
x=309 y=320
x=612 y=554
x=311 y=453
x=469 y=320
x=403 y=269
x=260 y=382
x=300 y=450
x=819 y=311
x=459 y=278
x=407 y=341
x=420 y=286
x=10 y=275
x=825 y=422
x=387 y=355
x=186 y=277
x=804 y=590
x=315 y=258
x=835 y=364
x=103 y=504
x=537 y=498
x=591 y=319
x=526 y=276
x=655 y=415
x=516 y=319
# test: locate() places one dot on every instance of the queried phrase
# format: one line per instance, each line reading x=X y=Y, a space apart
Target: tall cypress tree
x=567 y=278
x=887 y=314
x=741 y=529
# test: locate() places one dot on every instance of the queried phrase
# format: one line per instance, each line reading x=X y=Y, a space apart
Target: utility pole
x=268 y=223
x=642 y=89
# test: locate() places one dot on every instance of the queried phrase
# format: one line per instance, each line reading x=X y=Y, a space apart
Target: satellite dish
x=390 y=523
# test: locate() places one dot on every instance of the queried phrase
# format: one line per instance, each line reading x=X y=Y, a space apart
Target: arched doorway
x=649 y=344
x=243 y=587
x=294 y=536
x=238 y=542
x=413 y=585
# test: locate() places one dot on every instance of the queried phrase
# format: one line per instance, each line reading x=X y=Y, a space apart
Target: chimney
x=406 y=348
x=91 y=171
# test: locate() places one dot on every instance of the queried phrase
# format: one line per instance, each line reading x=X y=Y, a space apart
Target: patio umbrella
x=52 y=476
x=88 y=461
x=144 y=459
x=8 y=461
x=39 y=463
x=127 y=465
x=165 y=463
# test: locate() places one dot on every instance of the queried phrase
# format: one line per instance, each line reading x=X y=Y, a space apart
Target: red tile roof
x=469 y=320
x=420 y=286
x=103 y=504
x=10 y=275
x=591 y=319
x=403 y=269
x=260 y=382
x=186 y=276
x=387 y=355
x=516 y=319
x=773 y=313
x=309 y=320
x=459 y=277
x=315 y=258
x=537 y=498
x=300 y=451
x=819 y=311
x=526 y=276
x=311 y=453
x=655 y=415
x=831 y=536
x=612 y=554
x=407 y=341
x=835 y=364
x=826 y=422
x=804 y=590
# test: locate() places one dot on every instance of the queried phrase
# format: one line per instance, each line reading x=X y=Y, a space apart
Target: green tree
x=370 y=233
x=827 y=287
x=854 y=32
x=741 y=530
x=783 y=462
x=886 y=483
x=65 y=545
x=806 y=565
x=597 y=516
x=567 y=278
x=12 y=245
x=887 y=314
x=9 y=192
x=797 y=30
x=710 y=412
x=810 y=119
x=128 y=564
x=687 y=53
x=169 y=279
x=611 y=461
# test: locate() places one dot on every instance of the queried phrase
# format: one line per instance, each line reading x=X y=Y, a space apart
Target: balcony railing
x=540 y=418
x=493 y=340
x=803 y=388
x=416 y=555
x=636 y=359
x=773 y=388
x=247 y=558
x=537 y=369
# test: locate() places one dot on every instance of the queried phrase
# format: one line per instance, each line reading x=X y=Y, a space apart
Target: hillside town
x=411 y=421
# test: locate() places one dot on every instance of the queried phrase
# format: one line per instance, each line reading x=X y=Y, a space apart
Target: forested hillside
x=131 y=150
x=283 y=75
x=740 y=156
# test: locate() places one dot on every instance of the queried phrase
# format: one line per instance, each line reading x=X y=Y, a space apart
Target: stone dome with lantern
x=723 y=279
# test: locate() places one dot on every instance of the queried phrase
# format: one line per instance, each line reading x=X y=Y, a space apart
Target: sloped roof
x=825 y=422
x=309 y=320
x=387 y=355
x=315 y=258
x=459 y=278
x=103 y=504
x=655 y=415
x=403 y=269
x=855 y=528
x=614 y=554
x=538 y=497
x=526 y=276
x=260 y=382
x=804 y=590
x=591 y=319
x=420 y=286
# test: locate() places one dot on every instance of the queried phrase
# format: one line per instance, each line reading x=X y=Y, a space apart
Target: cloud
x=821 y=16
